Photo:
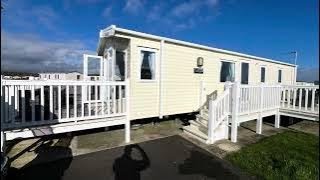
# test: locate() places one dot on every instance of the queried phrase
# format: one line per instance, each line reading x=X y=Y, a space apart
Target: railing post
x=277 y=115
x=259 y=120
x=235 y=108
x=211 y=122
x=127 y=120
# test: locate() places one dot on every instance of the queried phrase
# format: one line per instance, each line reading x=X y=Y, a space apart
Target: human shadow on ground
x=127 y=167
x=59 y=156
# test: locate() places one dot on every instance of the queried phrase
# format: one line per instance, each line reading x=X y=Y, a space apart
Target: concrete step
x=195 y=133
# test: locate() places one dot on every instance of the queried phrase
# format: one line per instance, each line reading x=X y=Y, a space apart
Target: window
x=244 y=73
x=227 y=72
x=119 y=66
x=279 y=76
x=78 y=77
x=263 y=74
x=148 y=65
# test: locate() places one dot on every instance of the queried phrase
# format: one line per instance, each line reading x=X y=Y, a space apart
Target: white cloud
x=107 y=12
x=184 y=15
x=21 y=15
x=193 y=6
x=186 y=8
x=45 y=15
x=32 y=54
x=133 y=6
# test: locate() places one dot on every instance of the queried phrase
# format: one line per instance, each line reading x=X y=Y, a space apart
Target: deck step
x=201 y=127
x=202 y=119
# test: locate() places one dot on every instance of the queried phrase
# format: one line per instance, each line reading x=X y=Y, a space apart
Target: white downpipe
x=161 y=79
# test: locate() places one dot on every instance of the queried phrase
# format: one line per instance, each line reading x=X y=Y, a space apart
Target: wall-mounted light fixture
x=199 y=61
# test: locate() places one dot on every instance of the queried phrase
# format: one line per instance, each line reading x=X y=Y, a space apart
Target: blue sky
x=52 y=35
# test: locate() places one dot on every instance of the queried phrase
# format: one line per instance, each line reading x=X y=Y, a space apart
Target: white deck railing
x=257 y=98
x=300 y=98
x=248 y=102
x=27 y=103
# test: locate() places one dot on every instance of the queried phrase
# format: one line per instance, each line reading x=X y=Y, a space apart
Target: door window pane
x=227 y=72
x=244 y=73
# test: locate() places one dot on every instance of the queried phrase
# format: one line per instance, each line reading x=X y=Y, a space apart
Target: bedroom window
x=279 y=76
x=244 y=73
x=263 y=74
x=227 y=72
x=147 y=65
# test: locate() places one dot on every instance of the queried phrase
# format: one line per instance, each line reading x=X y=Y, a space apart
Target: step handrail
x=219 y=110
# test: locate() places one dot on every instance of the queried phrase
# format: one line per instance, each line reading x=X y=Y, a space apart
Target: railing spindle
x=96 y=99
x=114 y=99
x=306 y=99
x=294 y=97
x=67 y=102
x=108 y=99
x=120 y=99
x=75 y=101
x=312 y=99
x=59 y=103
x=51 y=102
x=300 y=98
x=16 y=101
x=23 y=104
x=89 y=101
x=33 y=103
x=42 y=102
x=82 y=99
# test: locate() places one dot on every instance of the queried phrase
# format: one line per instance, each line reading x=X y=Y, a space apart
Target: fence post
x=235 y=108
x=211 y=122
x=259 y=120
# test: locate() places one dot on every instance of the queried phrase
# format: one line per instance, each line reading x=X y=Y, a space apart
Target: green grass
x=287 y=155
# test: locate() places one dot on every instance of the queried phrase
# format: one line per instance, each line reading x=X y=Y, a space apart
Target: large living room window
x=147 y=65
x=227 y=71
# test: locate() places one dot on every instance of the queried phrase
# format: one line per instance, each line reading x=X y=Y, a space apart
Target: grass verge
x=287 y=155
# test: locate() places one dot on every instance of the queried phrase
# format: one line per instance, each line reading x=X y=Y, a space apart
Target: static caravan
x=168 y=76
x=136 y=75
